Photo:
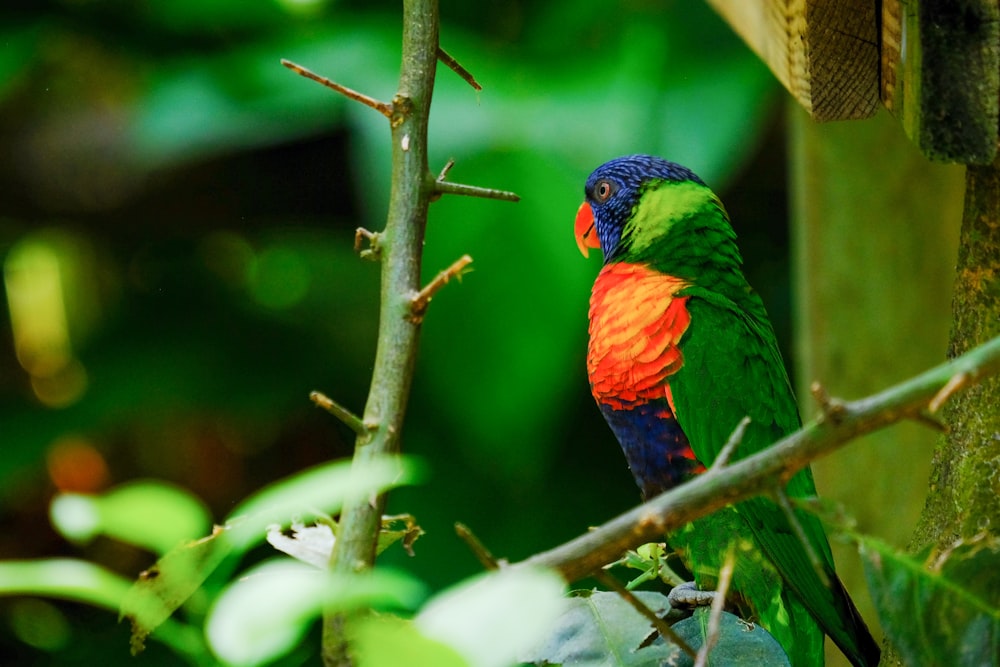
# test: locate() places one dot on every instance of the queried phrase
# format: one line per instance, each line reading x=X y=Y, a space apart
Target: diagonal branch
x=757 y=474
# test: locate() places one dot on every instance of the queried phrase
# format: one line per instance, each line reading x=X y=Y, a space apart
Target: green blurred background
x=177 y=215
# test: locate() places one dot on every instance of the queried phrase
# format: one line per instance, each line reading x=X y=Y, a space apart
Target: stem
x=401 y=244
x=756 y=474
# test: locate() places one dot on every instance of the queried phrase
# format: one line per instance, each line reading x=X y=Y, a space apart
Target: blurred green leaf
x=19 y=45
x=244 y=97
x=387 y=641
x=63 y=578
x=938 y=608
x=149 y=514
x=267 y=611
x=324 y=488
x=165 y=586
x=491 y=618
x=162 y=588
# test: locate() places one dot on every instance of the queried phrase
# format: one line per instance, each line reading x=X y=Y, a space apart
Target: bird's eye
x=603 y=191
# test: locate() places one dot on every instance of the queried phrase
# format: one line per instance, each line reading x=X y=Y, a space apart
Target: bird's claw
x=689 y=596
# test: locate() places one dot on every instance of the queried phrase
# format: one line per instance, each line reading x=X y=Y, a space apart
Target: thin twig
x=382 y=107
x=782 y=499
x=418 y=304
x=341 y=413
x=661 y=625
x=374 y=250
x=456 y=67
x=735 y=438
x=449 y=188
x=478 y=548
x=956 y=383
x=715 y=615
x=833 y=409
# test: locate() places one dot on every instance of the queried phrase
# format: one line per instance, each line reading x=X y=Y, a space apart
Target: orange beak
x=586 y=235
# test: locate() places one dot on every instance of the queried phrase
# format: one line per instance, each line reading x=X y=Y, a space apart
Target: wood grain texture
x=941 y=75
x=825 y=53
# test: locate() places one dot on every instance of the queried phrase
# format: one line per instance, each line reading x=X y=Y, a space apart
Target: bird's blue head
x=612 y=192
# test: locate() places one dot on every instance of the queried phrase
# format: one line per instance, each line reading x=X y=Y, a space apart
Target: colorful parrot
x=681 y=350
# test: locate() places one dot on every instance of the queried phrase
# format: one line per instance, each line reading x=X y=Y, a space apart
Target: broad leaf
x=942 y=608
x=387 y=641
x=738 y=643
x=166 y=585
x=603 y=630
x=600 y=629
x=492 y=618
x=266 y=612
x=148 y=514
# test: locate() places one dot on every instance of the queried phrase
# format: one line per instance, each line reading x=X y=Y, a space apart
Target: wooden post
x=824 y=53
x=875 y=229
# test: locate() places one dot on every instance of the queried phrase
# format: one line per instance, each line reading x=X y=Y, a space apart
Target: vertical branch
x=401 y=245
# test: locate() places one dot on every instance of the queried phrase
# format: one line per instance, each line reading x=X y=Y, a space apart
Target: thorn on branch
x=418 y=305
x=735 y=438
x=786 y=506
x=374 y=250
x=447 y=188
x=443 y=187
x=361 y=429
x=478 y=548
x=444 y=170
x=661 y=625
x=832 y=409
x=457 y=68
x=382 y=107
x=955 y=384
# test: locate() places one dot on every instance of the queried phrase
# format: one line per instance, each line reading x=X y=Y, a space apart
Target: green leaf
x=388 y=641
x=600 y=629
x=738 y=643
x=148 y=514
x=166 y=585
x=324 y=488
x=63 y=578
x=266 y=612
x=940 y=608
x=80 y=581
x=492 y=618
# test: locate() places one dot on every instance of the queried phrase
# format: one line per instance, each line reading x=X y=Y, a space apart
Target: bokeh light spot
x=228 y=255
x=39 y=623
x=76 y=465
x=281 y=278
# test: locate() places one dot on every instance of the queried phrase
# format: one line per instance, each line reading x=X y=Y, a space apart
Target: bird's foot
x=688 y=596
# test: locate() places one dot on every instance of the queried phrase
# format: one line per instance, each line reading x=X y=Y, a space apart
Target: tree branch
x=756 y=474
x=400 y=246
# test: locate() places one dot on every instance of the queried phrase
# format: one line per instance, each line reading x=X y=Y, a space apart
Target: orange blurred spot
x=76 y=466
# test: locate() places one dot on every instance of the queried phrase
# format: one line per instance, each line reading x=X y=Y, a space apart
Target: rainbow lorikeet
x=680 y=351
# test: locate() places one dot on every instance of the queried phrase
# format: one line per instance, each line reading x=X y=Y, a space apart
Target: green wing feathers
x=732 y=368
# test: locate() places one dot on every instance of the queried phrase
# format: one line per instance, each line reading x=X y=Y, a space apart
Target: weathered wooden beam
x=941 y=75
x=825 y=52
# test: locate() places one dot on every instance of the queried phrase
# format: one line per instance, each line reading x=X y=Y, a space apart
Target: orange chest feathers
x=636 y=324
